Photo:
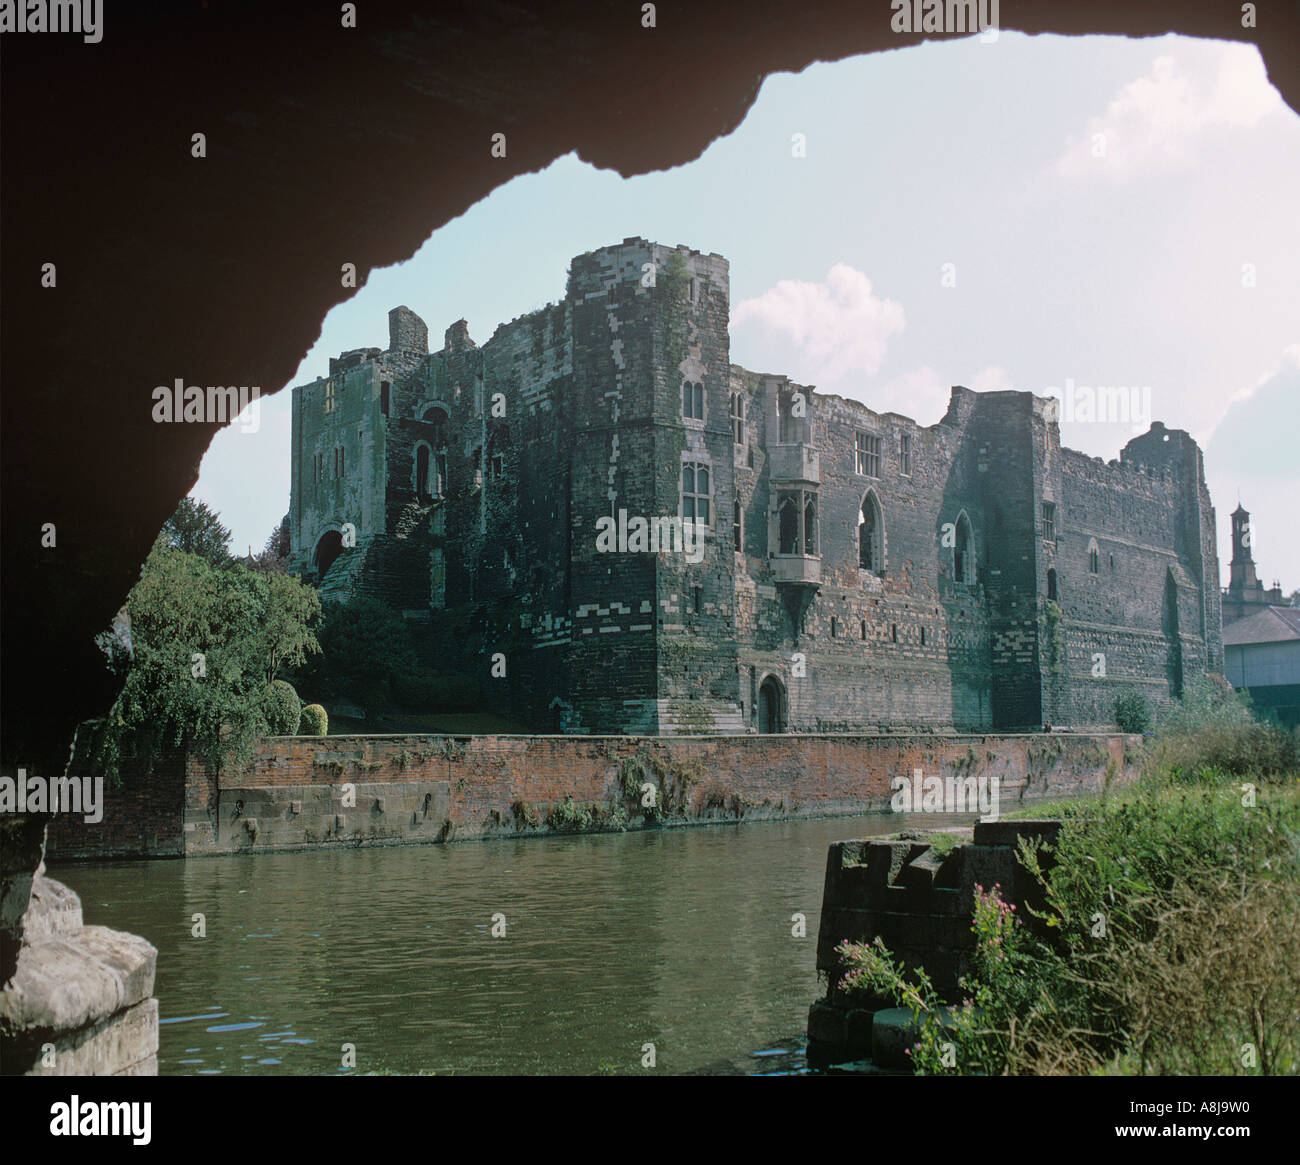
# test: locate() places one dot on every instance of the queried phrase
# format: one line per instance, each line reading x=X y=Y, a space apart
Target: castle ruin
x=853 y=570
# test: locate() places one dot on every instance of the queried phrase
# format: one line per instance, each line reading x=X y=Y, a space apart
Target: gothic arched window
x=871 y=535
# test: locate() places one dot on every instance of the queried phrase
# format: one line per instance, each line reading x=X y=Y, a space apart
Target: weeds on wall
x=671 y=785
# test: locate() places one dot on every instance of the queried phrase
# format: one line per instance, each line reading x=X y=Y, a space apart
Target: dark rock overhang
x=325 y=145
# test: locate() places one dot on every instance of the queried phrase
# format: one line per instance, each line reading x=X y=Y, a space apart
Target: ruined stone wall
x=920 y=906
x=338 y=460
x=1147 y=617
x=503 y=542
x=901 y=643
x=1006 y=442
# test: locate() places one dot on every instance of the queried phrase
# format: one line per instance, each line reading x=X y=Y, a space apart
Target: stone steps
x=727 y=720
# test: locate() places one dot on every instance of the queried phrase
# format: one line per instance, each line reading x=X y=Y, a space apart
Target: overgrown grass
x=1169 y=939
x=1212 y=728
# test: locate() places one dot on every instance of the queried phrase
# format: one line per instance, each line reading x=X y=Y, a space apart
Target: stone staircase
x=344 y=575
x=676 y=720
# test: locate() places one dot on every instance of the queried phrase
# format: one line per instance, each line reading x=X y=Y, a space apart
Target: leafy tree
x=286 y=638
x=207 y=643
x=196 y=529
x=365 y=646
x=274 y=556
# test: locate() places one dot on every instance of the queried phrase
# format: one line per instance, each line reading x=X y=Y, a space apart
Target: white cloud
x=1155 y=123
x=1290 y=358
x=921 y=394
x=994 y=378
x=838 y=328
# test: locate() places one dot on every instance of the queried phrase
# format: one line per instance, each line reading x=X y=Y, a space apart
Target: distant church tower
x=1245 y=594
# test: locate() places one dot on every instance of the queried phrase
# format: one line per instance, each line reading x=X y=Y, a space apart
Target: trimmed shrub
x=283 y=708
x=314 y=721
x=1131 y=712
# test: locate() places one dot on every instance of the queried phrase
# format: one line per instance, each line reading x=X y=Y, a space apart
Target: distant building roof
x=1271 y=625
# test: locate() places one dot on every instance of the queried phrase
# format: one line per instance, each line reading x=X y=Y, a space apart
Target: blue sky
x=1021 y=214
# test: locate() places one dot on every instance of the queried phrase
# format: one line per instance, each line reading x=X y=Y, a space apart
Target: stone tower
x=1245 y=594
x=651 y=440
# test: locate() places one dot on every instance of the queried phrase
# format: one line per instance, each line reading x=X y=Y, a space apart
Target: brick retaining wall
x=422 y=789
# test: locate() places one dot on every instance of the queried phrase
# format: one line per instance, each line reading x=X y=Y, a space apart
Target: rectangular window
x=695 y=494
x=440 y=462
x=905 y=454
x=868 y=454
x=1049 y=522
x=497 y=466
x=329 y=396
x=692 y=400
x=736 y=530
x=738 y=416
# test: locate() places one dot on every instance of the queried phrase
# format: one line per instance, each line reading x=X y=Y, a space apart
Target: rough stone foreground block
x=70 y=982
x=893 y=1031
x=827 y=1025
x=53 y=910
x=125 y=1044
x=146 y=1067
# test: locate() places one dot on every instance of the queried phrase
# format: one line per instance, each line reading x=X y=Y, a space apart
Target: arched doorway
x=770 y=718
x=327 y=550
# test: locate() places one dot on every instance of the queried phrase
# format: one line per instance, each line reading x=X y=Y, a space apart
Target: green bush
x=1131 y=712
x=314 y=721
x=568 y=816
x=1212 y=729
x=524 y=814
x=283 y=709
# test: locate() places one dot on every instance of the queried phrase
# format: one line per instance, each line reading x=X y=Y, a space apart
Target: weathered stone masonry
x=858 y=571
x=428 y=789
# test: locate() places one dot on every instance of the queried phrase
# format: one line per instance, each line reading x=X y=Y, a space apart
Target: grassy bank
x=1169 y=938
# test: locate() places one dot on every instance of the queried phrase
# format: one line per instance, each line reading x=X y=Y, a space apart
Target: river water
x=680 y=938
